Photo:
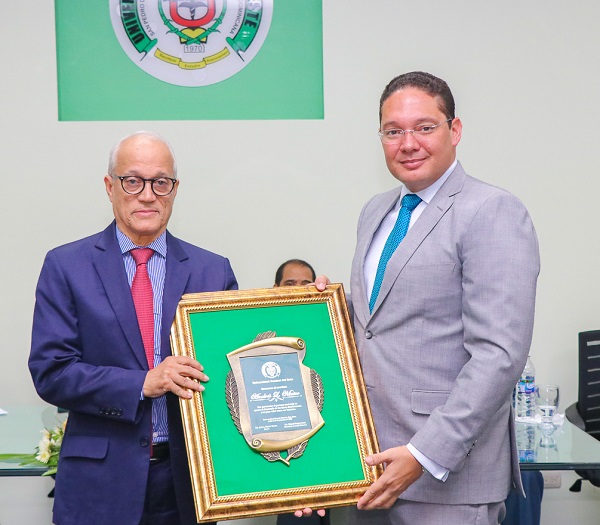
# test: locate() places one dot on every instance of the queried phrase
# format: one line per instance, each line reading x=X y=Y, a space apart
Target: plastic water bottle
x=524 y=404
x=526 y=442
x=525 y=392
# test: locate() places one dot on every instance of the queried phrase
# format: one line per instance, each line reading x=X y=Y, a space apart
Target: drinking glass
x=547 y=397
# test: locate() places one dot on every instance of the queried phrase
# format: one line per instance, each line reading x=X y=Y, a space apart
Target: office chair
x=585 y=414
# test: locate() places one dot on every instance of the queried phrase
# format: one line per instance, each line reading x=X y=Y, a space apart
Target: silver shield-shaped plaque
x=274 y=399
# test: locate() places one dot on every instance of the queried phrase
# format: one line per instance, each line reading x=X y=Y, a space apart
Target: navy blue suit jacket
x=87 y=356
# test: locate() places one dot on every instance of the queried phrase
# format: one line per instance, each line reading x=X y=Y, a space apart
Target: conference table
x=567 y=448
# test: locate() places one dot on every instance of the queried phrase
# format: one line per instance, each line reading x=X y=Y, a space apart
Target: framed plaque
x=284 y=422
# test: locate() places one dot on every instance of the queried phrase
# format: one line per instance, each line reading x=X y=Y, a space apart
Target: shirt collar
x=428 y=193
x=159 y=245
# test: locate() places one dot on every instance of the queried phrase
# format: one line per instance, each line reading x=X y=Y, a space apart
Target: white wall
x=525 y=77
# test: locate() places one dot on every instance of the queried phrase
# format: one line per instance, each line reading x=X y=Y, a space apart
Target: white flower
x=44 y=445
x=43 y=456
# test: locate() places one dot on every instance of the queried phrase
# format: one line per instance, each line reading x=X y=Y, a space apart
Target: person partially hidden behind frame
x=443 y=287
x=100 y=348
x=297 y=272
x=294 y=272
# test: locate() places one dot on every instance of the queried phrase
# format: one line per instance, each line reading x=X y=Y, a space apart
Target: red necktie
x=141 y=291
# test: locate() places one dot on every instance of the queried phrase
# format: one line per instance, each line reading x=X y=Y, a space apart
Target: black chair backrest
x=588 y=404
x=589 y=381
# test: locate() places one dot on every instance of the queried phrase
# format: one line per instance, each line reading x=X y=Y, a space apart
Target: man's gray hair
x=114 y=152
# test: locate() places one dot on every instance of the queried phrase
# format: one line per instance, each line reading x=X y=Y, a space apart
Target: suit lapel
x=435 y=210
x=108 y=262
x=176 y=280
x=369 y=225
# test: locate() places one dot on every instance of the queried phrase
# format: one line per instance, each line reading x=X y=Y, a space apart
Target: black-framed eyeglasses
x=395 y=136
x=134 y=185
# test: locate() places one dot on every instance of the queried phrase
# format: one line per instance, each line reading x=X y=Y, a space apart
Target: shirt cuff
x=437 y=471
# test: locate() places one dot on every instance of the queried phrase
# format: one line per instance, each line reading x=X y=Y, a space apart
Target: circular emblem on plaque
x=191 y=42
x=270 y=370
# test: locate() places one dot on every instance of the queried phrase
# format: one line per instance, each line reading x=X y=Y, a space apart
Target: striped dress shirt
x=157 y=271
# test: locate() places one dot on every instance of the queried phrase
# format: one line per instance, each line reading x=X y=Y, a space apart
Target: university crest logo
x=191 y=42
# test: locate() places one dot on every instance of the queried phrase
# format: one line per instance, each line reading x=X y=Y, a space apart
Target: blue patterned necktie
x=409 y=203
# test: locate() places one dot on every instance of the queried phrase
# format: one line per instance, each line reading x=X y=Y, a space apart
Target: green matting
x=332 y=454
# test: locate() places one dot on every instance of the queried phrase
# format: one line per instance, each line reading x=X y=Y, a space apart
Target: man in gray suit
x=443 y=318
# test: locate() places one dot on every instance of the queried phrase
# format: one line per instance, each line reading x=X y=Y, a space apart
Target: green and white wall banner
x=189 y=59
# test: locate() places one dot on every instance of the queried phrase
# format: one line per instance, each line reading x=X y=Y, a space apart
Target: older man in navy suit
x=123 y=459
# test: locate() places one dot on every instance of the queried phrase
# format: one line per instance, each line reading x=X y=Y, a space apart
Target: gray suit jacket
x=449 y=335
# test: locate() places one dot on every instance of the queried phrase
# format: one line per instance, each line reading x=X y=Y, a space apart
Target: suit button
x=144 y=442
x=368 y=334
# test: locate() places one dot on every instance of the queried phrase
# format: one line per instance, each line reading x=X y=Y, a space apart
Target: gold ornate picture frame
x=284 y=422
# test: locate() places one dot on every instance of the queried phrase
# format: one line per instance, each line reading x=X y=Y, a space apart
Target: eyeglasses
x=133 y=185
x=395 y=136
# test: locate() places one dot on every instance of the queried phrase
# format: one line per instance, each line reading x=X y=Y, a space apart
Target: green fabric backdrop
x=97 y=81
